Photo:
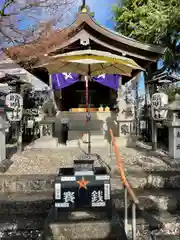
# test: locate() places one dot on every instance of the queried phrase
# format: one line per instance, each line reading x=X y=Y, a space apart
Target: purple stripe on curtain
x=109 y=80
x=62 y=80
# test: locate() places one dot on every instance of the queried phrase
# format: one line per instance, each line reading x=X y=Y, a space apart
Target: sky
x=101 y=9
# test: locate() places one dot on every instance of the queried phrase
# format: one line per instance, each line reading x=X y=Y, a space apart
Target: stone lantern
x=173 y=122
x=4 y=163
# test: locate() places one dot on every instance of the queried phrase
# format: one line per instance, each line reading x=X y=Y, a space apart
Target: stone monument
x=126 y=116
x=4 y=163
x=173 y=122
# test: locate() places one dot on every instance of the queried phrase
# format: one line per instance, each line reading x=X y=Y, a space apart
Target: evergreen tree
x=154 y=22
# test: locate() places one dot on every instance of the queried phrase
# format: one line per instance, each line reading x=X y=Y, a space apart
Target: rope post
x=125 y=210
x=133 y=221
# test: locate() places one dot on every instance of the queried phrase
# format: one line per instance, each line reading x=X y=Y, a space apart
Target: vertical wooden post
x=19 y=126
x=2 y=138
x=151 y=70
x=154 y=126
x=137 y=107
x=118 y=100
x=19 y=140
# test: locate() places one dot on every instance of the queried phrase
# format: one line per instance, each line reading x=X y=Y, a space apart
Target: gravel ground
x=48 y=161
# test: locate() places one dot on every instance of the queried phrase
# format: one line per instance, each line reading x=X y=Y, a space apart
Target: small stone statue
x=48 y=108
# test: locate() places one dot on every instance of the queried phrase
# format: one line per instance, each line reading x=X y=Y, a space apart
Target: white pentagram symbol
x=67 y=75
x=102 y=76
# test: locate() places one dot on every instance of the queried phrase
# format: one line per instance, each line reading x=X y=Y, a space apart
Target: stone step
x=33 y=204
x=43 y=142
x=150 y=200
x=22 y=234
x=22 y=221
x=31 y=211
x=95 y=135
x=102 y=230
x=95 y=116
x=42 y=201
x=149 y=179
x=138 y=180
x=34 y=210
x=82 y=125
x=162 y=227
x=160 y=224
x=94 y=143
x=44 y=182
x=123 y=141
x=26 y=183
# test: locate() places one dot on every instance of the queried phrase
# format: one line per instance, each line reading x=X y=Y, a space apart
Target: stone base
x=80 y=143
x=78 y=135
x=5 y=164
x=123 y=141
x=81 y=231
x=83 y=225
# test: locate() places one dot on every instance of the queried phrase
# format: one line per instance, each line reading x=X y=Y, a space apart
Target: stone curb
x=26 y=183
x=150 y=179
x=42 y=202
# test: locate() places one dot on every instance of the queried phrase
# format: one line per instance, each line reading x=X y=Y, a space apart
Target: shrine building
x=104 y=98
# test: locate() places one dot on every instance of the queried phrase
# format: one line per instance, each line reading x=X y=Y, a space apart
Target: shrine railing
x=128 y=191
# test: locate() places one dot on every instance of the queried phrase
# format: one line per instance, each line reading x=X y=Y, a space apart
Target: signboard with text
x=81 y=191
x=158 y=102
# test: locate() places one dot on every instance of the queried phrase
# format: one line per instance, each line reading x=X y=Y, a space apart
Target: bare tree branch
x=14 y=12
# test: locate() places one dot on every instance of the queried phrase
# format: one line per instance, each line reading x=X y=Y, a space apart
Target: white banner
x=14 y=101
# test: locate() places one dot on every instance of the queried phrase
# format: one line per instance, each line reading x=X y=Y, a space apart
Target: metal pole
x=88 y=115
x=19 y=140
x=133 y=221
x=89 y=139
x=126 y=210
